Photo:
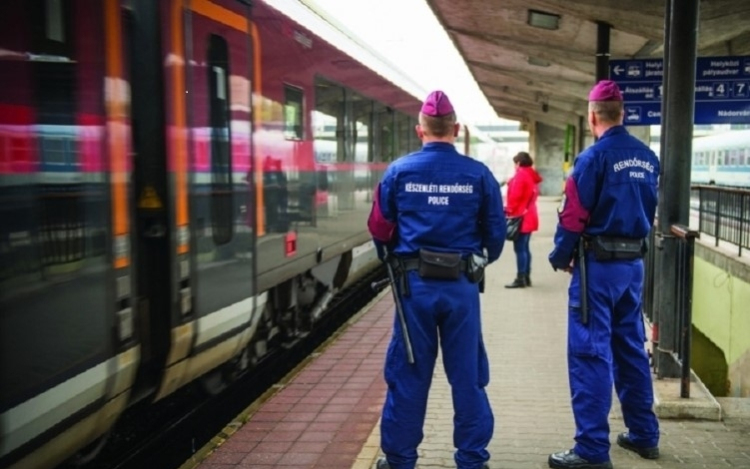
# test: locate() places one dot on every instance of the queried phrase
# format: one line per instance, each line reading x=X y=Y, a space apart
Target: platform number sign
x=722 y=90
x=740 y=89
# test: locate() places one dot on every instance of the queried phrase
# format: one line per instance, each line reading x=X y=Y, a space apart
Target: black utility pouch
x=611 y=249
x=475 y=268
x=445 y=265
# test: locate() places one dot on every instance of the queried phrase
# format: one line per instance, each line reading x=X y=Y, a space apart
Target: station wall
x=721 y=320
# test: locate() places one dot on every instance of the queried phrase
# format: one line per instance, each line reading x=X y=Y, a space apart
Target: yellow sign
x=149 y=199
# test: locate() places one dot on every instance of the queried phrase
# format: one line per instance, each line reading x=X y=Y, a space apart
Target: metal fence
x=724 y=213
x=684 y=297
x=681 y=316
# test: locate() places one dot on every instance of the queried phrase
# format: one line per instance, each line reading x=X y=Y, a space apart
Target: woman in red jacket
x=523 y=190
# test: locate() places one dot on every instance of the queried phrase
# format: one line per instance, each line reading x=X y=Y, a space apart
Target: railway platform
x=326 y=413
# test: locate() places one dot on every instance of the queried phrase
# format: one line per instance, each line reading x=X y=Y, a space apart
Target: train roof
x=729 y=139
x=311 y=16
x=318 y=21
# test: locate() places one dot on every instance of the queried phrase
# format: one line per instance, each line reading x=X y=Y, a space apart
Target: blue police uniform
x=440 y=200
x=612 y=192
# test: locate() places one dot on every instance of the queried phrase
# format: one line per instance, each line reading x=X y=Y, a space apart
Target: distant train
x=722 y=159
x=184 y=186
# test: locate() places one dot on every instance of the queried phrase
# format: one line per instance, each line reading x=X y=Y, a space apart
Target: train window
x=414 y=142
x=54 y=150
x=328 y=122
x=403 y=134
x=293 y=113
x=734 y=157
x=221 y=157
x=361 y=123
x=55 y=30
x=385 y=135
x=52 y=28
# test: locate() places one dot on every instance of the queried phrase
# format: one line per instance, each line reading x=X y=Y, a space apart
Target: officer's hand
x=568 y=269
x=560 y=261
x=561 y=256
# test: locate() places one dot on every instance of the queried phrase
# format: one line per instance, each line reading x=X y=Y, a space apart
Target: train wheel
x=218 y=379
x=215 y=381
x=87 y=454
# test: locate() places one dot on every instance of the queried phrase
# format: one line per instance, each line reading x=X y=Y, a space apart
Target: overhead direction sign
x=722 y=89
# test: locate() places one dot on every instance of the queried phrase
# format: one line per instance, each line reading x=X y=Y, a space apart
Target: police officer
x=434 y=210
x=610 y=201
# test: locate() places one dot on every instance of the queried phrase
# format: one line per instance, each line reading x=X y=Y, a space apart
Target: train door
x=221 y=185
x=152 y=230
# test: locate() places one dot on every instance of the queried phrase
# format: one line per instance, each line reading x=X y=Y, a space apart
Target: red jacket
x=523 y=190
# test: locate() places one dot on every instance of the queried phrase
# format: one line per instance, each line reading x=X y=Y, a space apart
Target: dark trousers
x=609 y=350
x=523 y=253
x=441 y=313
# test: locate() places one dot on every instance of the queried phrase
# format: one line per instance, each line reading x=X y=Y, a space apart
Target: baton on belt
x=399 y=308
x=583 y=282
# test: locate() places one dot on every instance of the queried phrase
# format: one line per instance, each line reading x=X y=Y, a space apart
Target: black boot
x=623 y=439
x=519 y=282
x=570 y=460
x=527 y=280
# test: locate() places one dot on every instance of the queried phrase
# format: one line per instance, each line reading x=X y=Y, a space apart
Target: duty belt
x=607 y=248
x=412 y=263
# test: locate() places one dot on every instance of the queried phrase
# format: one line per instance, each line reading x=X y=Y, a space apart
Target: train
x=722 y=159
x=184 y=186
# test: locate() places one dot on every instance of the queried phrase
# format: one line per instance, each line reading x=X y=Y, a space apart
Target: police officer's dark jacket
x=441 y=200
x=612 y=192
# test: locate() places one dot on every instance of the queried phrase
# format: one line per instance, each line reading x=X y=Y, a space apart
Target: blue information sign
x=722 y=89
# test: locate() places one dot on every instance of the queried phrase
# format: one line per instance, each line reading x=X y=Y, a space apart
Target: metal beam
x=674 y=181
x=602 y=50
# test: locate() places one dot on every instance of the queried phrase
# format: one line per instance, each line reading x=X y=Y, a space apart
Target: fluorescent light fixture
x=538 y=62
x=541 y=19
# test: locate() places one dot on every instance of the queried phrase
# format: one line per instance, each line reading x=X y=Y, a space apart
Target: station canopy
x=535 y=60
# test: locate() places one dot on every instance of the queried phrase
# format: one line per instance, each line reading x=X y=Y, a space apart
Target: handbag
x=513 y=225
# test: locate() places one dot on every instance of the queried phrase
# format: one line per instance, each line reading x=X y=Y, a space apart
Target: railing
x=684 y=300
x=724 y=213
x=681 y=316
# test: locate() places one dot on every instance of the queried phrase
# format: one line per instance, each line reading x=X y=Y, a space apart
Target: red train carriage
x=183 y=185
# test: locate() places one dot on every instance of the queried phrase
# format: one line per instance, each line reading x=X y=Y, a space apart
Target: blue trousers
x=609 y=349
x=444 y=313
x=523 y=253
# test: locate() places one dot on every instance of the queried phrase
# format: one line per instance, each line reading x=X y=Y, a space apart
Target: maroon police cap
x=605 y=90
x=437 y=104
